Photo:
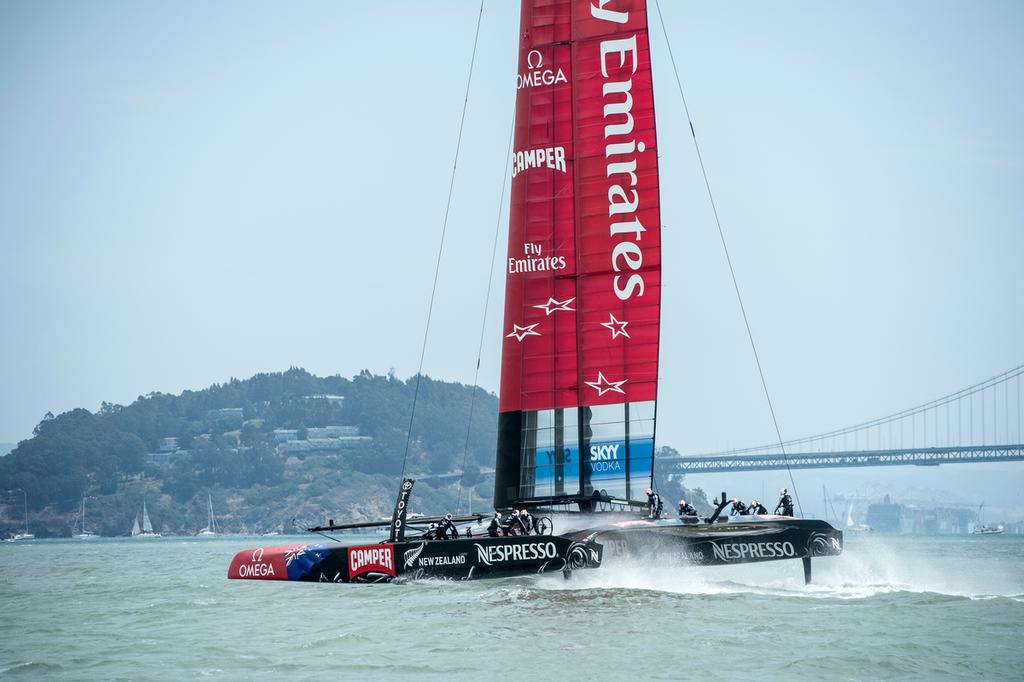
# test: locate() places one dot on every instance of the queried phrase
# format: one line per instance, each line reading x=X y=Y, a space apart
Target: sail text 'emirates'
x=622 y=203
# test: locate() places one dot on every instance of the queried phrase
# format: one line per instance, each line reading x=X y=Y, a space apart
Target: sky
x=193 y=191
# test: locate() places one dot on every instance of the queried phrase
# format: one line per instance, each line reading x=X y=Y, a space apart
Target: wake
x=873 y=567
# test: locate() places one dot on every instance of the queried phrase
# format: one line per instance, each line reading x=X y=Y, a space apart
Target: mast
x=211 y=522
x=583 y=281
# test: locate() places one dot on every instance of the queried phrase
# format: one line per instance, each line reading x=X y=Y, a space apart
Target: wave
x=869 y=569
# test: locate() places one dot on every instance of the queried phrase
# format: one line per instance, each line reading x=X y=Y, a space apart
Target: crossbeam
x=836 y=460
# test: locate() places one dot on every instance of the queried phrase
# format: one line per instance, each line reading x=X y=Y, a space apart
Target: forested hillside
x=273 y=453
x=266 y=449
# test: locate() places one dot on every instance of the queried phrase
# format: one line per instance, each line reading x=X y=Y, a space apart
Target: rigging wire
x=728 y=259
x=487 y=302
x=444 y=229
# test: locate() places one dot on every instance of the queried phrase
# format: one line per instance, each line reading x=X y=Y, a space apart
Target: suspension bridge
x=980 y=423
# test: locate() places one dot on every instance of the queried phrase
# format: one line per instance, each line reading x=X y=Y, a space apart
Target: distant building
x=885 y=517
x=228 y=412
x=159 y=458
x=333 y=399
x=169 y=444
x=167 y=458
x=332 y=431
x=892 y=517
x=323 y=444
x=284 y=435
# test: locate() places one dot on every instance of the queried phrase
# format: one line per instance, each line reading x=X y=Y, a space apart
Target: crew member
x=432 y=532
x=519 y=526
x=756 y=507
x=494 y=530
x=446 y=528
x=686 y=509
x=528 y=521
x=738 y=508
x=511 y=522
x=653 y=504
x=785 y=503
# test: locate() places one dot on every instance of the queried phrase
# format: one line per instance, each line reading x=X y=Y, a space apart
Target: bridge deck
x=863 y=458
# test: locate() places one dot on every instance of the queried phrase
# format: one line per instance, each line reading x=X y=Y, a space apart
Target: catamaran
x=579 y=372
x=579 y=358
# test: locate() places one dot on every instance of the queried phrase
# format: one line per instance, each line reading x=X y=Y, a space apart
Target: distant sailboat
x=26 y=535
x=84 y=533
x=211 y=523
x=984 y=528
x=850 y=525
x=146 y=531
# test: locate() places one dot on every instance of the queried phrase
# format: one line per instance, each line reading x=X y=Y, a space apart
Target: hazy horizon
x=197 y=191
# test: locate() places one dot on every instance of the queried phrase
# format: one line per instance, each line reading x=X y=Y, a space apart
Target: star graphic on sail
x=618 y=328
x=522 y=332
x=602 y=385
x=554 y=306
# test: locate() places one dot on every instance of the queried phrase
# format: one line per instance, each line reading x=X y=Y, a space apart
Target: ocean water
x=889 y=608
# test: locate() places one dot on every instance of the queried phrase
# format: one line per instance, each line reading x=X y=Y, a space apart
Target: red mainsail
x=583 y=287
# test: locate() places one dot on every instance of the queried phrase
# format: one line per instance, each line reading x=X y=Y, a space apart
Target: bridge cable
x=945 y=400
x=444 y=229
x=728 y=259
x=487 y=302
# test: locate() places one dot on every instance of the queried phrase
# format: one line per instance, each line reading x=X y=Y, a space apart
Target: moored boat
x=83 y=532
x=983 y=528
x=25 y=535
x=211 y=522
x=146 y=529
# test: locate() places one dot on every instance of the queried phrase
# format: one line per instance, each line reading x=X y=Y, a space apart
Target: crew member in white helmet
x=494 y=530
x=653 y=504
x=785 y=503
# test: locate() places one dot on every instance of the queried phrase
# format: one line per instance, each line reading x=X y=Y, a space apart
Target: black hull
x=462 y=559
x=737 y=540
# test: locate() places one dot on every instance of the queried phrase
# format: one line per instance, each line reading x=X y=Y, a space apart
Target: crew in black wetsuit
x=494 y=530
x=686 y=509
x=511 y=523
x=521 y=524
x=654 y=506
x=785 y=503
x=756 y=507
x=446 y=529
x=738 y=508
x=527 y=520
